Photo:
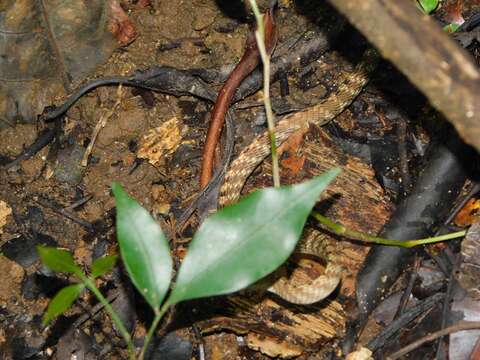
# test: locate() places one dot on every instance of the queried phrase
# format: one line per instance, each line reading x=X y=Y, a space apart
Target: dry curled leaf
x=293 y=164
x=120 y=25
x=468 y=214
x=160 y=141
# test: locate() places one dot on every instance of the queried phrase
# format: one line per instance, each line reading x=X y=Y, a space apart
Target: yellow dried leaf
x=160 y=141
x=360 y=354
x=273 y=347
x=5 y=210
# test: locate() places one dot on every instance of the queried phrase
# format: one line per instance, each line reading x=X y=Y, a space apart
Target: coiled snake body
x=259 y=149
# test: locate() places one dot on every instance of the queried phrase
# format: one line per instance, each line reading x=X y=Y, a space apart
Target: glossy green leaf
x=102 y=265
x=246 y=241
x=144 y=248
x=428 y=6
x=58 y=260
x=62 y=301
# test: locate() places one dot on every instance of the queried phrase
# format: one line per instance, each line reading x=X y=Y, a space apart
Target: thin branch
x=460 y=326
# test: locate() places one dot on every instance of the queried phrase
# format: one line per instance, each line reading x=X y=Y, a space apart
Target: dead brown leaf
x=121 y=26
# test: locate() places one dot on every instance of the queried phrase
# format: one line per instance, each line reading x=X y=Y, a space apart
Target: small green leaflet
x=102 y=265
x=58 y=260
x=61 y=302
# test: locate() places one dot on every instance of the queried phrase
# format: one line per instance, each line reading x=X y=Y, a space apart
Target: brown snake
x=259 y=149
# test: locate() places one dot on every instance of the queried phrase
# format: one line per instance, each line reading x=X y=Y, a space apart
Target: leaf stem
x=356 y=235
x=158 y=316
x=113 y=315
x=260 y=37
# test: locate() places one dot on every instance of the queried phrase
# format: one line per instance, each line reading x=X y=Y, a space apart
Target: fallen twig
x=460 y=326
x=101 y=124
x=66 y=213
x=408 y=316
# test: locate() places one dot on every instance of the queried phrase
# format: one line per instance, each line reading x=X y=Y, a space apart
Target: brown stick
x=247 y=64
x=431 y=60
x=460 y=326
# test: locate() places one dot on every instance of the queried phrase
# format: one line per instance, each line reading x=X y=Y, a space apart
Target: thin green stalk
x=356 y=235
x=260 y=37
x=158 y=316
x=113 y=315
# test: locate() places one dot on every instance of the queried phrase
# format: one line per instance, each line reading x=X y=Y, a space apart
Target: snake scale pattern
x=250 y=157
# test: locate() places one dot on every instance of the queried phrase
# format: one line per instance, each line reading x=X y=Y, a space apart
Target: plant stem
x=260 y=36
x=158 y=316
x=356 y=235
x=113 y=315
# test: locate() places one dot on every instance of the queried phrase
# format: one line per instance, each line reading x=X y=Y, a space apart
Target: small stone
x=69 y=168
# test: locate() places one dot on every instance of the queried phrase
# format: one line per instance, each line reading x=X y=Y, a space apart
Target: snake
x=251 y=156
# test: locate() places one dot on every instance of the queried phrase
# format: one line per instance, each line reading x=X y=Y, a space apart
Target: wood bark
x=428 y=56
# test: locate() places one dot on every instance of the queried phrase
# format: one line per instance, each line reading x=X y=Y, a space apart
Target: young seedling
x=428 y=6
x=232 y=249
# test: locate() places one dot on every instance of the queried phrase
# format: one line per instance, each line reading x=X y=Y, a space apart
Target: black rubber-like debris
x=170 y=347
x=23 y=250
x=403 y=320
x=44 y=138
x=416 y=216
x=164 y=79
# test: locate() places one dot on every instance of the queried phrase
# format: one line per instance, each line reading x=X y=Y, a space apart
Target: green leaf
x=451 y=28
x=61 y=302
x=428 y=6
x=144 y=248
x=58 y=260
x=101 y=265
x=244 y=242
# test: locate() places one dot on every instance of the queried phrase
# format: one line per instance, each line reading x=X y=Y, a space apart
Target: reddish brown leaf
x=120 y=25
x=293 y=143
x=453 y=13
x=469 y=213
x=142 y=4
x=293 y=164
